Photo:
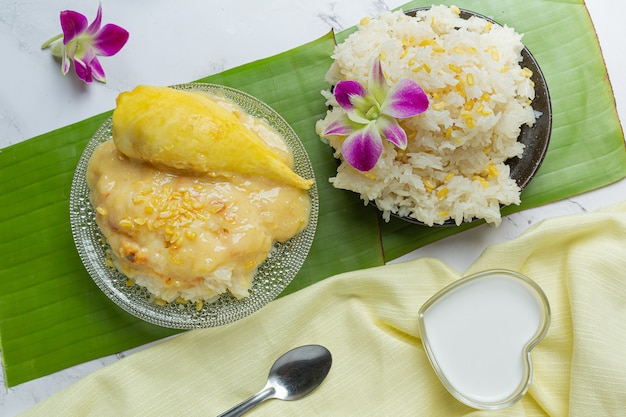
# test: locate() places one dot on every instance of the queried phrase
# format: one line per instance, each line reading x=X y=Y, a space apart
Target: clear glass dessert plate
x=274 y=274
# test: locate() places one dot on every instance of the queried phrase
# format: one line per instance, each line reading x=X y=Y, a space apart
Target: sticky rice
x=479 y=97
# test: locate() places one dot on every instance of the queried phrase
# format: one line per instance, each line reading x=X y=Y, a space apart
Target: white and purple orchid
x=82 y=43
x=371 y=114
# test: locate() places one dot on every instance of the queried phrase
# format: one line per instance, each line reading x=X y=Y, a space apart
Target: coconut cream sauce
x=191 y=236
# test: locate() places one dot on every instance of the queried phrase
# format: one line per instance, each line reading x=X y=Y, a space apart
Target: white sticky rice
x=453 y=167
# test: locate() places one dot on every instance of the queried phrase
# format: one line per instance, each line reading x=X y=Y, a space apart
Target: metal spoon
x=294 y=375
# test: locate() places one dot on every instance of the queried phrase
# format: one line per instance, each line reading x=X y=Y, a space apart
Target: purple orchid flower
x=371 y=114
x=82 y=43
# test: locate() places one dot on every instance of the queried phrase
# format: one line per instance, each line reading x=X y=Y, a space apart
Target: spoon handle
x=246 y=405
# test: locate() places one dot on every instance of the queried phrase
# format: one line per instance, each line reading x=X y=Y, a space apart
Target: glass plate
x=274 y=274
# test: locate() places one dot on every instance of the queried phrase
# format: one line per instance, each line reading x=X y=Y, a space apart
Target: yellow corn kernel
x=166 y=214
x=470 y=123
x=126 y=223
x=427 y=42
x=138 y=199
x=365 y=21
x=160 y=301
x=482 y=181
x=130 y=282
x=444 y=213
x=184 y=221
x=448 y=133
x=369 y=175
x=439 y=105
x=455 y=68
x=495 y=55
x=198 y=305
x=176 y=260
x=439 y=49
x=404 y=52
x=504 y=69
x=147 y=191
x=449 y=176
x=216 y=207
x=487 y=149
x=102 y=211
x=411 y=62
x=442 y=193
x=469 y=79
x=383 y=55
x=485 y=97
x=140 y=221
x=469 y=104
x=472 y=50
x=176 y=238
x=482 y=111
x=527 y=72
x=190 y=234
x=460 y=88
x=488 y=26
x=148 y=209
x=428 y=185
x=454 y=9
x=458 y=50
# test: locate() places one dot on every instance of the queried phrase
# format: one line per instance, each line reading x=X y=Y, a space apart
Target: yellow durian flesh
x=191 y=132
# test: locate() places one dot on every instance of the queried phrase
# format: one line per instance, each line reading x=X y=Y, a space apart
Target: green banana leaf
x=53 y=316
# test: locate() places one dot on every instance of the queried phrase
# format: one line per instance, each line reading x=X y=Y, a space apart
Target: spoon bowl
x=293 y=376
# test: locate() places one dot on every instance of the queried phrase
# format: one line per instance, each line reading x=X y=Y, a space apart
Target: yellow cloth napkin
x=368 y=320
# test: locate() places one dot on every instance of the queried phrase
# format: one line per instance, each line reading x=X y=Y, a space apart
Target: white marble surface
x=173 y=42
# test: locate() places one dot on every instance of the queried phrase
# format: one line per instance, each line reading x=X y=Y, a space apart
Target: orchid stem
x=49 y=42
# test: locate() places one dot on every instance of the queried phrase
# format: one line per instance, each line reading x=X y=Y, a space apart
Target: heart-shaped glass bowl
x=536 y=138
x=478 y=333
x=273 y=275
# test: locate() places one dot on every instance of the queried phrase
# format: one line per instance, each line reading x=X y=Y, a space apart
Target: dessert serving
x=425 y=114
x=189 y=198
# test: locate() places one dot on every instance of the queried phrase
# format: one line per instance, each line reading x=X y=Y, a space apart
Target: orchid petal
x=73 y=24
x=342 y=126
x=363 y=148
x=347 y=92
x=97 y=71
x=110 y=39
x=82 y=70
x=405 y=99
x=65 y=61
x=94 y=27
x=376 y=83
x=392 y=131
